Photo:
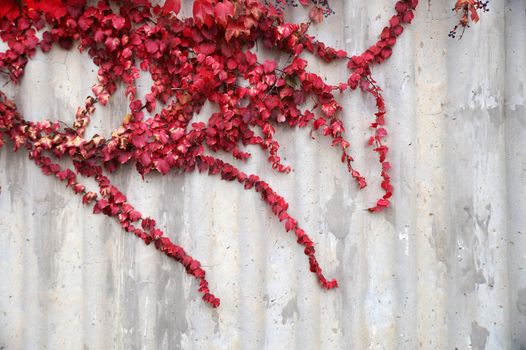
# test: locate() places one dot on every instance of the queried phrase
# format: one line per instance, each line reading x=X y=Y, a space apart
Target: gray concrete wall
x=444 y=268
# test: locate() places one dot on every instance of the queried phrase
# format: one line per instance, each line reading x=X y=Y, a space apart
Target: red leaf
x=8 y=9
x=156 y=233
x=100 y=206
x=88 y=197
x=381 y=133
x=290 y=224
x=401 y=7
x=139 y=141
x=162 y=165
x=78 y=188
x=316 y=14
x=409 y=15
x=207 y=48
x=235 y=30
x=474 y=15
x=145 y=159
x=203 y=13
x=118 y=22
x=361 y=182
x=134 y=215
x=222 y=11
x=124 y=157
x=319 y=122
x=171 y=6
x=269 y=66
x=54 y=8
x=386 y=53
x=398 y=30
x=382 y=203
x=151 y=46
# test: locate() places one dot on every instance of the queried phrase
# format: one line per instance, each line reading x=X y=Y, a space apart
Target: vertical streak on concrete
x=354 y=284
x=515 y=113
x=490 y=205
x=431 y=219
x=399 y=87
x=475 y=251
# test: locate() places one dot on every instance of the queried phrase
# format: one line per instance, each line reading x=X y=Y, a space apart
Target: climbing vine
x=468 y=12
x=207 y=57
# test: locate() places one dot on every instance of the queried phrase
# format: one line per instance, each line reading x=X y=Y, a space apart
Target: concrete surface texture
x=444 y=268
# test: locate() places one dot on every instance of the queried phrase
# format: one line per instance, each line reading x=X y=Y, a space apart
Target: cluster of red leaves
x=467 y=9
x=190 y=61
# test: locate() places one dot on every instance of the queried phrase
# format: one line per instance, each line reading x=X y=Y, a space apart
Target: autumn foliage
x=191 y=61
x=468 y=12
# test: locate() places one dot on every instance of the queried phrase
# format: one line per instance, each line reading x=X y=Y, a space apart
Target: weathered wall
x=444 y=268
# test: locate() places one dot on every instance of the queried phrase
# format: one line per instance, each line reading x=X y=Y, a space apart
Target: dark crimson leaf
x=8 y=9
